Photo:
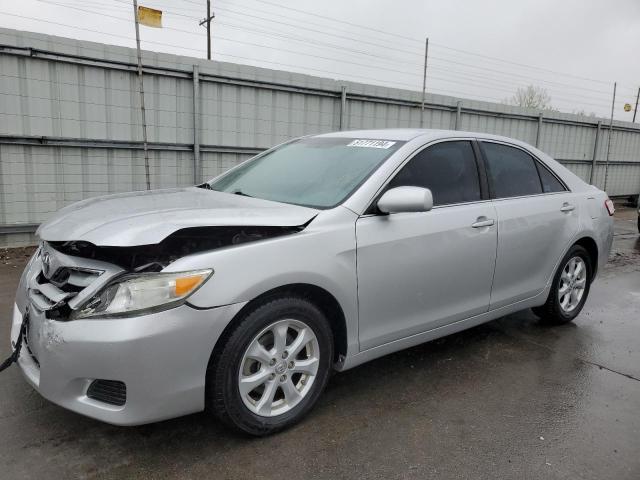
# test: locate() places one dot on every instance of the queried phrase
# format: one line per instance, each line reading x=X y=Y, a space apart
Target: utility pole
x=424 y=81
x=636 y=109
x=142 y=109
x=210 y=16
x=606 y=166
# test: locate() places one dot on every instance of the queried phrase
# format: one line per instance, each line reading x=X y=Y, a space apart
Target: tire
x=553 y=312
x=232 y=364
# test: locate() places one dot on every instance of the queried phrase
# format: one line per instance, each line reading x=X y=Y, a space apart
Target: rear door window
x=448 y=169
x=512 y=172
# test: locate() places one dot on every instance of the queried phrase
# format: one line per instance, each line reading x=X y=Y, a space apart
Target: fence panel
x=70 y=123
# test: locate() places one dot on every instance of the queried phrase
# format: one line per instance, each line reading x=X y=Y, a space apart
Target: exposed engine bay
x=153 y=258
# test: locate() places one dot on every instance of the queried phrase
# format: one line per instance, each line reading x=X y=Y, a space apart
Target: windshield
x=315 y=172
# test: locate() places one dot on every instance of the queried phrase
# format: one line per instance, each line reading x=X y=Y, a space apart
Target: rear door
x=537 y=218
x=421 y=270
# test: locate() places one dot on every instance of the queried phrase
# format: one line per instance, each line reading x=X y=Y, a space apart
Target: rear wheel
x=569 y=289
x=273 y=366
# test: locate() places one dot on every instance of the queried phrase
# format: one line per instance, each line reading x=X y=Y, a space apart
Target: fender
x=318 y=255
x=594 y=229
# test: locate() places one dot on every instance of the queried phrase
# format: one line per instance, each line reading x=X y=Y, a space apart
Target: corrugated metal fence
x=70 y=123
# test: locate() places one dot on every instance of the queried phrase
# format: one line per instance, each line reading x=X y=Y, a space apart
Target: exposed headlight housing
x=143 y=293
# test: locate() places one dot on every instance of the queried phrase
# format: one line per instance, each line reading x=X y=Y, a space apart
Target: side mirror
x=406 y=199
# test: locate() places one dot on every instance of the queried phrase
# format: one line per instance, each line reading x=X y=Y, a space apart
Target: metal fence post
x=595 y=153
x=606 y=164
x=196 y=125
x=143 y=111
x=458 y=115
x=539 y=131
x=343 y=107
x=424 y=81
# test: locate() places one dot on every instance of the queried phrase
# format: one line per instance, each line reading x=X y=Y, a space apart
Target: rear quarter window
x=550 y=183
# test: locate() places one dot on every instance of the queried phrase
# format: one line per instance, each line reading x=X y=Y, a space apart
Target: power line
x=392 y=48
x=402 y=48
x=344 y=37
x=307 y=22
x=176 y=46
x=302 y=53
x=193 y=33
x=316 y=56
x=94 y=31
x=303 y=40
x=392 y=34
x=413 y=39
x=392 y=60
x=448 y=92
x=236 y=56
x=466 y=52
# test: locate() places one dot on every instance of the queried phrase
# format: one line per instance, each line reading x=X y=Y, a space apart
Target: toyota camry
x=242 y=295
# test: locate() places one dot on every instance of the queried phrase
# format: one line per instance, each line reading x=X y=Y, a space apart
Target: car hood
x=148 y=217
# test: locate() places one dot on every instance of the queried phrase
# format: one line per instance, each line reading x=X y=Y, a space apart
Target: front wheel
x=273 y=366
x=569 y=289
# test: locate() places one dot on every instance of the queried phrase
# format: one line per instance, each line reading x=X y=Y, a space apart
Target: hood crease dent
x=149 y=217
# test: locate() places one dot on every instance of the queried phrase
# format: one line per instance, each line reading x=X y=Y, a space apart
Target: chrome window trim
x=529 y=196
x=449 y=205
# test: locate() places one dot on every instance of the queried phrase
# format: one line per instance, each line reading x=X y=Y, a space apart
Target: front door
x=418 y=271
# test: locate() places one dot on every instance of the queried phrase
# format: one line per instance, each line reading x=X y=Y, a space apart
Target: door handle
x=483 y=223
x=566 y=207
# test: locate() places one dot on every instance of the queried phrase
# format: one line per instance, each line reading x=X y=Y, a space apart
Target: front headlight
x=143 y=293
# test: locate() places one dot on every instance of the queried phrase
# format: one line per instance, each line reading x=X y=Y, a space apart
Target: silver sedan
x=241 y=295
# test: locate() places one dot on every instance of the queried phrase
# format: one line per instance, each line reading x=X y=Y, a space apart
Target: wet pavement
x=508 y=399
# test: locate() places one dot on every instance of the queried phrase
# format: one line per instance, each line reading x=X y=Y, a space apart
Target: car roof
x=406 y=134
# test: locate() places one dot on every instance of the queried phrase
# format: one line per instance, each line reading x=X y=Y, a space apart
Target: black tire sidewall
x=227 y=366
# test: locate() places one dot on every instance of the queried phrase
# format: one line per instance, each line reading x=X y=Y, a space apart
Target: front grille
x=56 y=283
x=73 y=279
x=45 y=295
x=112 y=392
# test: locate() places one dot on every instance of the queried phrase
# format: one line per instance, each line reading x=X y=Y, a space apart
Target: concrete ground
x=509 y=399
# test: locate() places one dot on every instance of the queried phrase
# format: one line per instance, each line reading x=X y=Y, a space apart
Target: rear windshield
x=315 y=172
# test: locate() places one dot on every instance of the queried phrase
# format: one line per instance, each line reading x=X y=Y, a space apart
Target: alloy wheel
x=573 y=281
x=278 y=368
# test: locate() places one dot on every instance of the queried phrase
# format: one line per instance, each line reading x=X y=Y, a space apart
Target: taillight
x=609 y=206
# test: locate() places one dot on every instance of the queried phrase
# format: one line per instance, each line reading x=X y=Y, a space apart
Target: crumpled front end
x=122 y=371
x=56 y=283
x=109 y=330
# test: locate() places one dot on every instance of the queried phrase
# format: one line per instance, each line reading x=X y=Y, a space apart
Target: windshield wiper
x=205 y=185
x=240 y=192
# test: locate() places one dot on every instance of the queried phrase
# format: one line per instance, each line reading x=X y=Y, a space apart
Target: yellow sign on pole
x=627 y=107
x=150 y=17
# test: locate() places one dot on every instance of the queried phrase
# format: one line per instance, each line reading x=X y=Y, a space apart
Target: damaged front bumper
x=121 y=370
x=161 y=359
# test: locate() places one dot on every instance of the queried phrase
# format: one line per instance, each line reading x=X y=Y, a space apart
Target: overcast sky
x=575 y=49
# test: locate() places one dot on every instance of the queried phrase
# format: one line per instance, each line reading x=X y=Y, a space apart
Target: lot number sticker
x=371 y=143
